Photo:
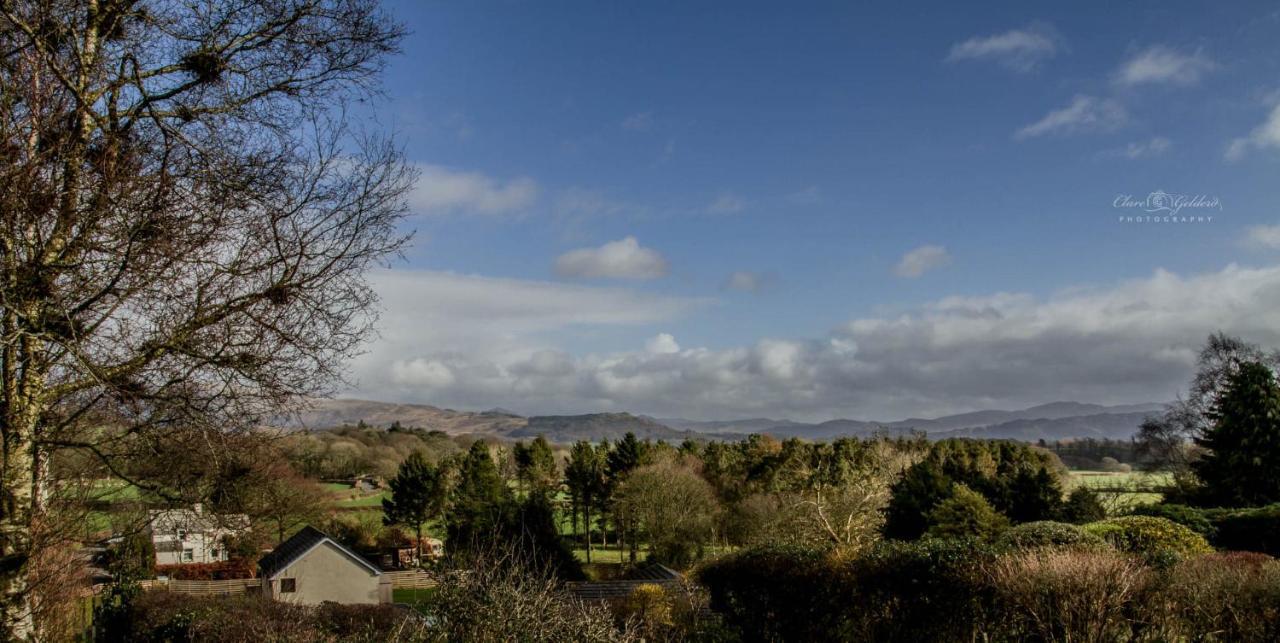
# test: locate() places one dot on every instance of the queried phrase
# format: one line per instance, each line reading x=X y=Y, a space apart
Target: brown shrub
x=1062 y=595
x=224 y=570
x=1218 y=597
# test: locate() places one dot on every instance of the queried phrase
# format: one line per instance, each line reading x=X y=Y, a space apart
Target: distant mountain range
x=1055 y=421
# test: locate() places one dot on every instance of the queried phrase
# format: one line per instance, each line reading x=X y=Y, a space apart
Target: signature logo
x=1166 y=202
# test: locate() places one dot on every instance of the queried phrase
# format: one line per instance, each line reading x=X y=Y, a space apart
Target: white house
x=311 y=568
x=183 y=536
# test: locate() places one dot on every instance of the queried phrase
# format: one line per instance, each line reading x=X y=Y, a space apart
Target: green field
x=1121 y=490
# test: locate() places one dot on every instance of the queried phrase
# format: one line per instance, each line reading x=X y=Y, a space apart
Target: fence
x=410 y=579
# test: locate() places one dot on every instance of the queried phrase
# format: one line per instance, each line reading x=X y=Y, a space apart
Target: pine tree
x=417 y=495
x=481 y=500
x=585 y=477
x=1242 y=466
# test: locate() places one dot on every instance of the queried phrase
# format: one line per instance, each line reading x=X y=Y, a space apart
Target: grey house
x=311 y=568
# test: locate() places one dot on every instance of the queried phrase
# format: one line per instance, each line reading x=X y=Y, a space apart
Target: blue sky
x=718 y=210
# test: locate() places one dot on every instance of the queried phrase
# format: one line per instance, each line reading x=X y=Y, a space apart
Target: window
x=213 y=553
x=182 y=534
x=188 y=555
x=288 y=585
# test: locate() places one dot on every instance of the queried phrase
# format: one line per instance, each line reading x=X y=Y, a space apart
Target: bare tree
x=187 y=219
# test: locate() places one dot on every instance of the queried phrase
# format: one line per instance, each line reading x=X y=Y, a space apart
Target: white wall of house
x=326 y=573
x=185 y=536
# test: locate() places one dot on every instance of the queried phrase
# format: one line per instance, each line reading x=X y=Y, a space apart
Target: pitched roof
x=651 y=574
x=298 y=545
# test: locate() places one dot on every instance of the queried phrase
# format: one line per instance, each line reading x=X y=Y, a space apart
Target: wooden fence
x=410 y=579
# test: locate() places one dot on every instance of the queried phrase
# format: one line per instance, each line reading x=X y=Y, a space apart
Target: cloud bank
x=474 y=342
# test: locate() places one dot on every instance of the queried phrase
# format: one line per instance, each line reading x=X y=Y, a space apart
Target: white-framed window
x=214 y=553
x=188 y=555
x=182 y=534
x=288 y=585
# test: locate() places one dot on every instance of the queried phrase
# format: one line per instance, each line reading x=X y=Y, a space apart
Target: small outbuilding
x=311 y=568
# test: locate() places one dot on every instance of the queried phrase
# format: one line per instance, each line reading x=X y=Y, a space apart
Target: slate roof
x=298 y=545
x=651 y=574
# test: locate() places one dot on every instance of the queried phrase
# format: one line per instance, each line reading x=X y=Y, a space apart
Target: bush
x=1158 y=540
x=1058 y=595
x=1256 y=530
x=1083 y=506
x=163 y=616
x=903 y=587
x=768 y=593
x=1190 y=517
x=224 y=570
x=1234 y=596
x=1046 y=533
x=966 y=514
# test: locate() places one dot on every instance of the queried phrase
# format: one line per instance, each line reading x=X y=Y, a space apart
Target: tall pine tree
x=417 y=495
x=1242 y=466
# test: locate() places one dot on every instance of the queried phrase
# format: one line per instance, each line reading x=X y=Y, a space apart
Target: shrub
x=966 y=514
x=1083 y=506
x=1255 y=530
x=1158 y=540
x=768 y=593
x=224 y=570
x=1059 y=595
x=1046 y=533
x=902 y=587
x=163 y=616
x=1232 y=596
x=1190 y=517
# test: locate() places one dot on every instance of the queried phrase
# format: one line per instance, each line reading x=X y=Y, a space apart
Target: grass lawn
x=412 y=596
x=1120 y=490
x=366 y=501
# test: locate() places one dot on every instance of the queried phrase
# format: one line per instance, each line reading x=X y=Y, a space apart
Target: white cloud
x=1021 y=50
x=622 y=259
x=1156 y=146
x=442 y=190
x=638 y=122
x=1265 y=236
x=473 y=342
x=1083 y=114
x=921 y=260
x=1162 y=65
x=1264 y=136
x=662 y=344
x=726 y=203
x=745 y=281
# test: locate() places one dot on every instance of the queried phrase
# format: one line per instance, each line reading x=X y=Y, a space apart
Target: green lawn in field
x=374 y=500
x=414 y=597
x=1121 y=490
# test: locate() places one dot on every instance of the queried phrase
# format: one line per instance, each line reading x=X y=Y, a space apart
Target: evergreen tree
x=481 y=502
x=585 y=477
x=1242 y=466
x=1033 y=496
x=536 y=467
x=1083 y=506
x=417 y=495
x=913 y=497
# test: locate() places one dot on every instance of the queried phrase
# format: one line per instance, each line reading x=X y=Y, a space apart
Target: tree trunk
x=587 y=520
x=16 y=513
x=418 y=527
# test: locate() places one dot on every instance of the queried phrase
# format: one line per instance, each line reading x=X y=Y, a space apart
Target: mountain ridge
x=1052 y=421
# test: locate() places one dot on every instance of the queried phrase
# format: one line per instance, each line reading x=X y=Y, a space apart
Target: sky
x=820 y=210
